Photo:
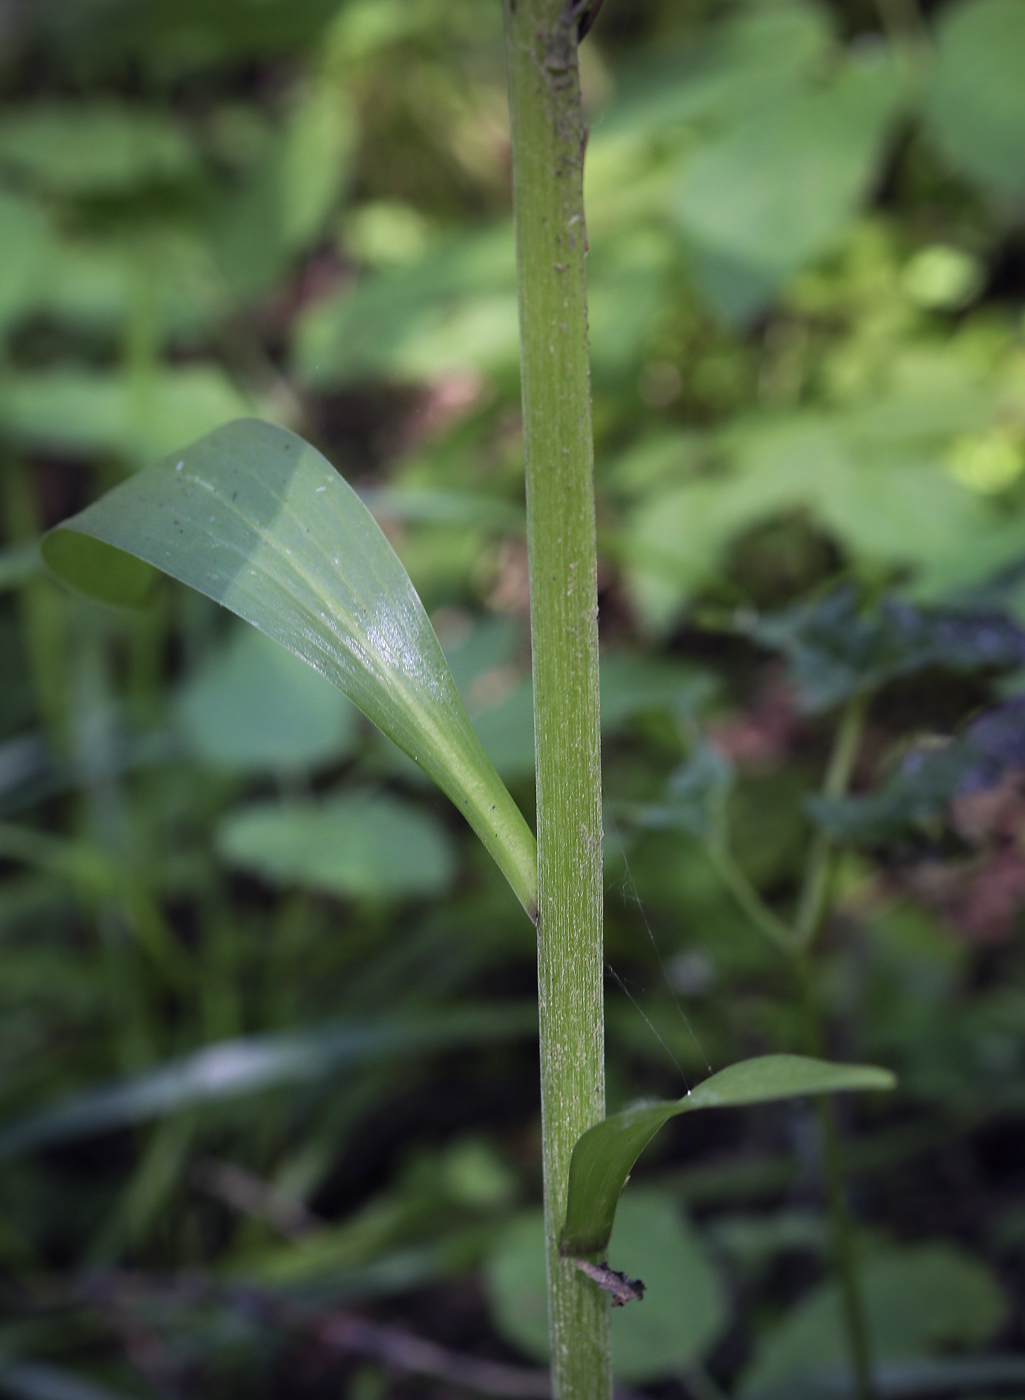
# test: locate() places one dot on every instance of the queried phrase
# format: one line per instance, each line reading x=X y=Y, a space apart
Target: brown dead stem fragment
x=622 y=1290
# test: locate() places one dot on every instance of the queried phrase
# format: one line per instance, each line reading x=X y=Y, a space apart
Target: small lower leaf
x=604 y=1156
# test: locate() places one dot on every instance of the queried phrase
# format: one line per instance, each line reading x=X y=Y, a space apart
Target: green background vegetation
x=269 y=1113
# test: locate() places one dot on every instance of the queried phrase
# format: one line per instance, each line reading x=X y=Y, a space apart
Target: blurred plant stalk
x=548 y=158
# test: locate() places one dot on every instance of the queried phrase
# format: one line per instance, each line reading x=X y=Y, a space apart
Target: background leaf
x=774 y=193
x=917 y=1299
x=252 y=1064
x=254 y=707
x=359 y=845
x=974 y=106
x=837 y=649
x=683 y=1309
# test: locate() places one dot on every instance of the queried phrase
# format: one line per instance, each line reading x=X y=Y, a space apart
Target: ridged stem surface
x=548 y=151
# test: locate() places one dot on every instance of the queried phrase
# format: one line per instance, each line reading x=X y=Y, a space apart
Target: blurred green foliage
x=291 y=1094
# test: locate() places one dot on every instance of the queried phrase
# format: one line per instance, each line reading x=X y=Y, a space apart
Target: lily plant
x=257 y=519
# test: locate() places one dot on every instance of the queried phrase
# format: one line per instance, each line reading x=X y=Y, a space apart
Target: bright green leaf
x=360 y=845
x=318 y=141
x=684 y=1306
x=24 y=244
x=259 y=521
x=604 y=1156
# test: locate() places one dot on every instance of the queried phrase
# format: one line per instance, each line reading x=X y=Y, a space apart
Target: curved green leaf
x=604 y=1156
x=258 y=520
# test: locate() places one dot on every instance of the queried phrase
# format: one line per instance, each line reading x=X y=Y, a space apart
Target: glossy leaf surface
x=258 y=520
x=604 y=1156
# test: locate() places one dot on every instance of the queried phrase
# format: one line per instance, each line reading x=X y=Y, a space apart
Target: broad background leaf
x=254 y=707
x=359 y=844
x=974 y=105
x=918 y=1299
x=684 y=1306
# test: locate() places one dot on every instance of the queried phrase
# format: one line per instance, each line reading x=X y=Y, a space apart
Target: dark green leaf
x=604 y=1156
x=38 y=1380
x=909 y=803
x=837 y=650
x=695 y=797
x=259 y=521
x=928 y=1296
x=901 y=1380
x=912 y=799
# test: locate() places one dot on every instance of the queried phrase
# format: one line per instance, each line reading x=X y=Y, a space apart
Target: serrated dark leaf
x=837 y=650
x=913 y=799
x=695 y=797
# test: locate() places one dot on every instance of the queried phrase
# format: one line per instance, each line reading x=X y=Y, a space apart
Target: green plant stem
x=905 y=27
x=844 y=1244
x=796 y=942
x=548 y=150
x=747 y=898
x=812 y=907
x=813 y=900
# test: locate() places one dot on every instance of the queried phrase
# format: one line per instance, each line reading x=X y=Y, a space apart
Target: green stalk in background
x=548 y=149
